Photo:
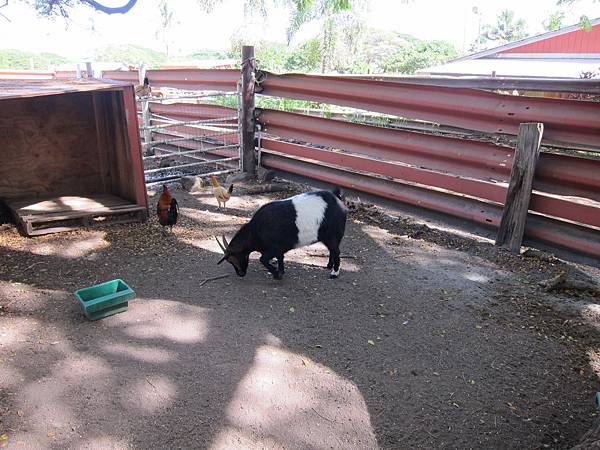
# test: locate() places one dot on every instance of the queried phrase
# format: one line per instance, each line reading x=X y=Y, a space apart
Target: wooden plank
x=134 y=149
x=514 y=216
x=73 y=222
x=68 y=203
x=80 y=214
x=47 y=147
x=101 y=141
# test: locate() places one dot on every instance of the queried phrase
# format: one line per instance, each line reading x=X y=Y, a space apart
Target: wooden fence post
x=247 y=119
x=514 y=216
x=148 y=150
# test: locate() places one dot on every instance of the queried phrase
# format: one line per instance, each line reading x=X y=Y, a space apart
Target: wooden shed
x=70 y=154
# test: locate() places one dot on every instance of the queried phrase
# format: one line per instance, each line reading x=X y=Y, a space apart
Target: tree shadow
x=395 y=353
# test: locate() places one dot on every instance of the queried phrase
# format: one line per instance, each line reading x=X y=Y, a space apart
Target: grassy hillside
x=19 y=59
x=130 y=54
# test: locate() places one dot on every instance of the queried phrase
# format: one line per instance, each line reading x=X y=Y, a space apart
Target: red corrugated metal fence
x=466 y=178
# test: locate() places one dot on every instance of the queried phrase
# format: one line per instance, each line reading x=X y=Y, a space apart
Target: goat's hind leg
x=280 y=266
x=334 y=259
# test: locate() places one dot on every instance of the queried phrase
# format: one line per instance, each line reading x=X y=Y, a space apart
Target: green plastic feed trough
x=105 y=299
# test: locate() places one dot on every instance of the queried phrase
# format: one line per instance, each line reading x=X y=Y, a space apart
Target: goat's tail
x=338 y=193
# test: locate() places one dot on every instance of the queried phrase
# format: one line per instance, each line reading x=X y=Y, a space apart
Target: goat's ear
x=221 y=260
x=225 y=241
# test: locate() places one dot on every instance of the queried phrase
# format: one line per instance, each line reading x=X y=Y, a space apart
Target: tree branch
x=2 y=6
x=109 y=9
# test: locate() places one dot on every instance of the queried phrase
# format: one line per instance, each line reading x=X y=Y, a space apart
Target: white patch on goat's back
x=310 y=211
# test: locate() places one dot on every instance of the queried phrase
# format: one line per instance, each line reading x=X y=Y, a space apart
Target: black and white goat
x=283 y=225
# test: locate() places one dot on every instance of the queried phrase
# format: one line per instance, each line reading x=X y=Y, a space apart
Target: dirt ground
x=428 y=339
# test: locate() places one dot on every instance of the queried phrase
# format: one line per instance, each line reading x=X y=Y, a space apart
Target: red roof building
x=566 y=53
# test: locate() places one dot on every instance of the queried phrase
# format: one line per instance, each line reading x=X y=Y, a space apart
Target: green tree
x=331 y=15
x=419 y=55
x=377 y=48
x=507 y=29
x=305 y=58
x=554 y=21
x=271 y=55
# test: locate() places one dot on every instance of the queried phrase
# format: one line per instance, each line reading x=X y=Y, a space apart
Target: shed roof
x=552 y=68
x=510 y=47
x=37 y=88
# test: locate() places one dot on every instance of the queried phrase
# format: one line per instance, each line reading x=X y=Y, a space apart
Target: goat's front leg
x=280 y=266
x=266 y=261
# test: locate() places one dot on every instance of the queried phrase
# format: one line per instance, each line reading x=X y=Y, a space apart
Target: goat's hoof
x=329 y=266
x=278 y=276
x=332 y=277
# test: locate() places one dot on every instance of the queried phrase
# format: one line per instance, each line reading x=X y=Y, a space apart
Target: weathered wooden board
x=514 y=216
x=47 y=146
x=56 y=214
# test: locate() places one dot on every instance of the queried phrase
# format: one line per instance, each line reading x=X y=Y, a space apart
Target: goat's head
x=238 y=260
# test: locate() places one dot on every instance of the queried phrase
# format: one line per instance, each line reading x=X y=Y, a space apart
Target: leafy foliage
x=304 y=58
x=332 y=14
x=554 y=21
x=418 y=55
x=377 y=48
x=271 y=55
x=507 y=28
x=584 y=22
x=18 y=59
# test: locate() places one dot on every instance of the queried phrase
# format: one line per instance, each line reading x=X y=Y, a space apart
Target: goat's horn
x=220 y=245
x=225 y=241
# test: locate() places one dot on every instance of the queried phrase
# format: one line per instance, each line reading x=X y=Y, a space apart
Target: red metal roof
x=564 y=43
x=578 y=42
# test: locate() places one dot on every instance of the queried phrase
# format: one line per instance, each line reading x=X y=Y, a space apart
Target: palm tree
x=507 y=28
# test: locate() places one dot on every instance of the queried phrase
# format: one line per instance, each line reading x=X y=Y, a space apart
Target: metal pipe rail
x=185 y=138
x=190 y=79
x=171 y=122
x=200 y=163
x=566 y=121
x=188 y=152
x=467 y=158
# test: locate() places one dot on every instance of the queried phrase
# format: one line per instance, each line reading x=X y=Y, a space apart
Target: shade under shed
x=70 y=154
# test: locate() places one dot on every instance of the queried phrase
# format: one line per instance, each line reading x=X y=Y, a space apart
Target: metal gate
x=187 y=133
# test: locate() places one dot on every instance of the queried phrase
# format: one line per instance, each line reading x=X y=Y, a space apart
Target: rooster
x=143 y=90
x=220 y=193
x=167 y=209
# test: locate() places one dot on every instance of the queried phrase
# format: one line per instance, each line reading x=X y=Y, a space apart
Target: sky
x=451 y=20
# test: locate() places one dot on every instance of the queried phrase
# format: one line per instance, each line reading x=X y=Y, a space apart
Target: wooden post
x=514 y=216
x=247 y=119
x=148 y=150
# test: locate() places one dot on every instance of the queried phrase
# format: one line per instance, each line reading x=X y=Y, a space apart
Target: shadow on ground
x=407 y=349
